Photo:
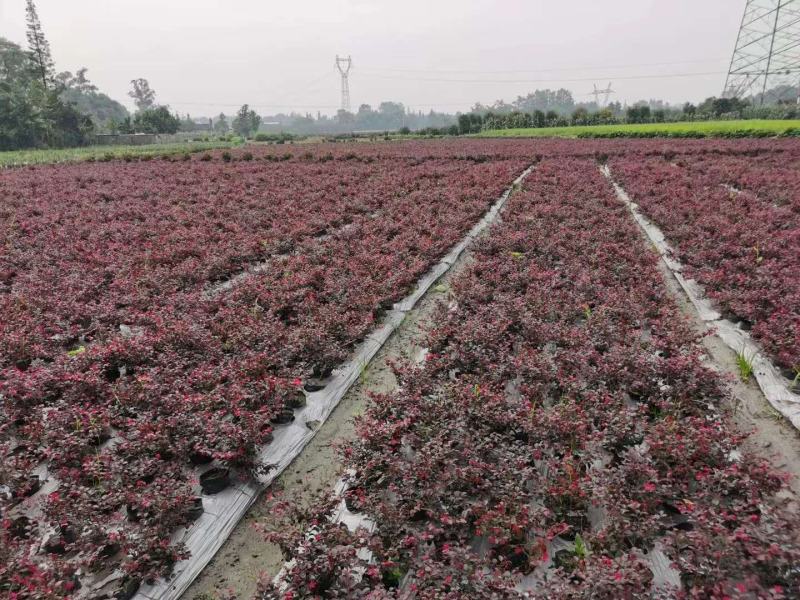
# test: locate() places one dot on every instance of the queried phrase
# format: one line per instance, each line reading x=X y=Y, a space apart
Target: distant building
x=202 y=125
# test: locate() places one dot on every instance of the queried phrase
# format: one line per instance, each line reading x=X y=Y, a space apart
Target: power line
x=552 y=70
x=269 y=105
x=553 y=80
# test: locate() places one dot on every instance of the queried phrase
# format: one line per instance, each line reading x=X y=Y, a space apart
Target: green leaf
x=581 y=550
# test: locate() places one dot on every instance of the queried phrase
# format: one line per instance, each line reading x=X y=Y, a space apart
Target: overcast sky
x=207 y=56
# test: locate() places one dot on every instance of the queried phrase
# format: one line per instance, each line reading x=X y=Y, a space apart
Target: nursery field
x=17 y=158
x=163 y=319
x=695 y=129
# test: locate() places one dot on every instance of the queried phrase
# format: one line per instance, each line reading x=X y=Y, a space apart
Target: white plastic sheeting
x=341 y=514
x=774 y=386
x=224 y=510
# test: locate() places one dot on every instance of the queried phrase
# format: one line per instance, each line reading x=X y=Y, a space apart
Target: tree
x=123 y=126
x=78 y=82
x=246 y=121
x=188 y=123
x=38 y=46
x=639 y=113
x=21 y=124
x=604 y=116
x=15 y=64
x=156 y=120
x=560 y=101
x=30 y=114
x=221 y=125
x=615 y=108
x=84 y=95
x=392 y=114
x=366 y=118
x=345 y=118
x=580 y=116
x=142 y=95
x=469 y=123
x=66 y=126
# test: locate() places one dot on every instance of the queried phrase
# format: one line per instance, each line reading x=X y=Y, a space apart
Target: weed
x=757 y=252
x=587 y=311
x=362 y=374
x=744 y=364
x=581 y=550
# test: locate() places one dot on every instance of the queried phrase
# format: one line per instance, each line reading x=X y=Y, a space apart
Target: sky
x=204 y=57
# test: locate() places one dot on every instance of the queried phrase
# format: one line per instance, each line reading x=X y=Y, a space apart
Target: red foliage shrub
x=562 y=433
x=735 y=222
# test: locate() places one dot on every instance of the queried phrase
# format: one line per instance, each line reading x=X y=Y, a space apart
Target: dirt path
x=772 y=436
x=245 y=554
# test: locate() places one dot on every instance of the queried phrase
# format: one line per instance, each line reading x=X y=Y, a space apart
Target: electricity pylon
x=766 y=59
x=607 y=94
x=343 y=65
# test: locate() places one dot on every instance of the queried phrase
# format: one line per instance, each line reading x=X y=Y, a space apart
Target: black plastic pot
x=132 y=512
x=128 y=589
x=55 y=545
x=30 y=487
x=109 y=549
x=313 y=385
x=19 y=527
x=195 y=509
x=215 y=480
x=285 y=416
x=298 y=400
x=200 y=458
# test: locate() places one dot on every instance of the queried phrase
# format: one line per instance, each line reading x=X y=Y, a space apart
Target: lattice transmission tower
x=766 y=61
x=606 y=93
x=344 y=65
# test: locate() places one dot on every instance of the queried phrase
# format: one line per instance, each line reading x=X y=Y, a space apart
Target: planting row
x=735 y=223
x=100 y=243
x=772 y=176
x=121 y=372
x=562 y=439
x=783 y=151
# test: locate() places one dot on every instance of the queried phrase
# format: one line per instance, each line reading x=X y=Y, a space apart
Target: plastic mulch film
x=773 y=385
x=223 y=511
x=340 y=515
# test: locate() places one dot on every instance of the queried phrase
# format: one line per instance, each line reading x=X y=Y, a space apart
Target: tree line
x=42 y=108
x=712 y=108
x=32 y=112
